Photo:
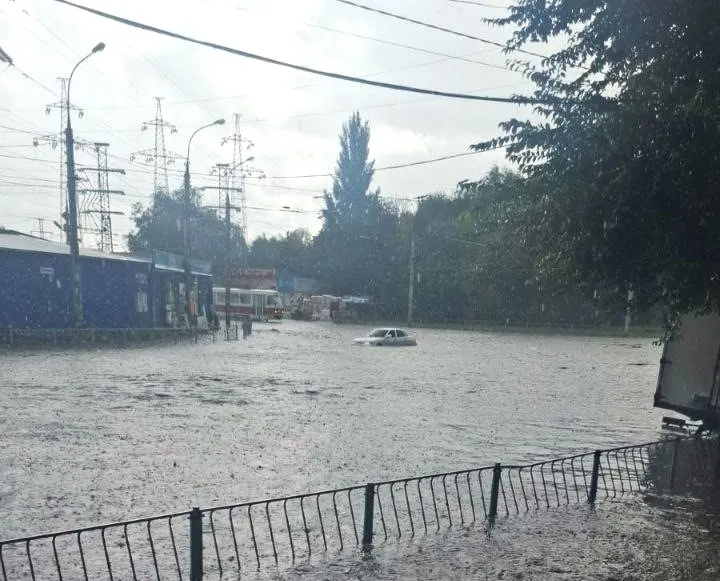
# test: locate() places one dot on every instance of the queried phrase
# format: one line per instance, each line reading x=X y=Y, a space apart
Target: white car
x=387 y=337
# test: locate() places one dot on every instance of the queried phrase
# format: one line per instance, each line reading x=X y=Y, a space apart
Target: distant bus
x=260 y=304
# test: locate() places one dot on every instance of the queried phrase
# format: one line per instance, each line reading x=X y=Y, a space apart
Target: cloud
x=293 y=118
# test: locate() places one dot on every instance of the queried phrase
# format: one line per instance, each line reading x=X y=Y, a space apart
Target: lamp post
x=72 y=225
x=186 y=208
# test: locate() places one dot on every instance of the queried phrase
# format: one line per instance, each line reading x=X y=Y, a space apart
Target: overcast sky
x=292 y=118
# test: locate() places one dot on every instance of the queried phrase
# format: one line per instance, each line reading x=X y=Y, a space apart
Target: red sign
x=254 y=278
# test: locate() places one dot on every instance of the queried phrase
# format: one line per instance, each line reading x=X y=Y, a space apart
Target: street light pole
x=186 y=212
x=72 y=218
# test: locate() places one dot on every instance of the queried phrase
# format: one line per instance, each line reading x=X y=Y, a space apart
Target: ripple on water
x=461 y=399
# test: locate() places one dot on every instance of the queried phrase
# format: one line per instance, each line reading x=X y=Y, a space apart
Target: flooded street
x=92 y=436
x=628 y=540
x=97 y=436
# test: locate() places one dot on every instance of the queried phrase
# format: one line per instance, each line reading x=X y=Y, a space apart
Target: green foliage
x=353 y=175
x=485 y=253
x=292 y=252
x=160 y=227
x=624 y=194
x=357 y=249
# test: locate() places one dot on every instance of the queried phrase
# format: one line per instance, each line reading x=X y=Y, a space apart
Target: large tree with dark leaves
x=626 y=162
x=357 y=245
x=291 y=252
x=159 y=226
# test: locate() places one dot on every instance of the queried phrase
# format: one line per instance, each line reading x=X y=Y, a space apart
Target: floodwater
x=96 y=436
x=630 y=540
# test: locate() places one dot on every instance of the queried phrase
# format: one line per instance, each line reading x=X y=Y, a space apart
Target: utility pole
x=187 y=192
x=59 y=139
x=224 y=171
x=411 y=265
x=72 y=224
x=41 y=229
x=628 y=308
x=228 y=263
x=96 y=206
x=411 y=281
x=159 y=155
x=240 y=172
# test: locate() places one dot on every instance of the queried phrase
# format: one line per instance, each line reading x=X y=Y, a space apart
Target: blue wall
x=34 y=290
x=110 y=293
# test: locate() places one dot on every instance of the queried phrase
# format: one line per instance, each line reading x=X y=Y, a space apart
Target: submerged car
x=387 y=337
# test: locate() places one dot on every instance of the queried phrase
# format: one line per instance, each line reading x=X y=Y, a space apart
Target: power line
x=320 y=175
x=27 y=76
x=391 y=167
x=434 y=27
x=192 y=98
x=339 y=76
x=16 y=129
x=406 y=46
x=309 y=86
x=159 y=155
x=77 y=54
x=484 y=4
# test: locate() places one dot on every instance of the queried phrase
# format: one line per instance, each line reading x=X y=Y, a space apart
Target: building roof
x=19 y=242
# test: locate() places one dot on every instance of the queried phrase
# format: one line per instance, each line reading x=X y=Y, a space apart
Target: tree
x=353 y=173
x=160 y=227
x=356 y=250
x=289 y=253
x=625 y=164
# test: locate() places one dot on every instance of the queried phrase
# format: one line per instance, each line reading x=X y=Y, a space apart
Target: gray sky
x=293 y=118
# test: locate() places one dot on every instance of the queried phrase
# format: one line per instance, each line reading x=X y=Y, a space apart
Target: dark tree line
x=478 y=254
x=614 y=199
x=625 y=165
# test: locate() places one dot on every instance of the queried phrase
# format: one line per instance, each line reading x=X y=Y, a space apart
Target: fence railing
x=28 y=337
x=238 y=538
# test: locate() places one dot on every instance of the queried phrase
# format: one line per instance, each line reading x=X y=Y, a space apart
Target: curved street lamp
x=72 y=222
x=186 y=207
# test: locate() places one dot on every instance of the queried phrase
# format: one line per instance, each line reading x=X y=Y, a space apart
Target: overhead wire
x=32 y=79
x=435 y=27
x=392 y=167
x=318 y=175
x=401 y=45
x=517 y=100
x=301 y=87
x=90 y=64
x=476 y=3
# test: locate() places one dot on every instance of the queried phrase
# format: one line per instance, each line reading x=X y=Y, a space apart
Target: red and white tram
x=260 y=304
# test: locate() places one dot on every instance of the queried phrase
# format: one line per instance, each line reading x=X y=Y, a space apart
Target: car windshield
x=378 y=333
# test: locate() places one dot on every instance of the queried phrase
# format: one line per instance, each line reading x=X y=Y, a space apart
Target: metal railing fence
x=238 y=538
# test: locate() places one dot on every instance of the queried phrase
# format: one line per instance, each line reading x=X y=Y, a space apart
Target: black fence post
x=673 y=466
x=196 y=545
x=368 y=517
x=592 y=495
x=494 y=492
